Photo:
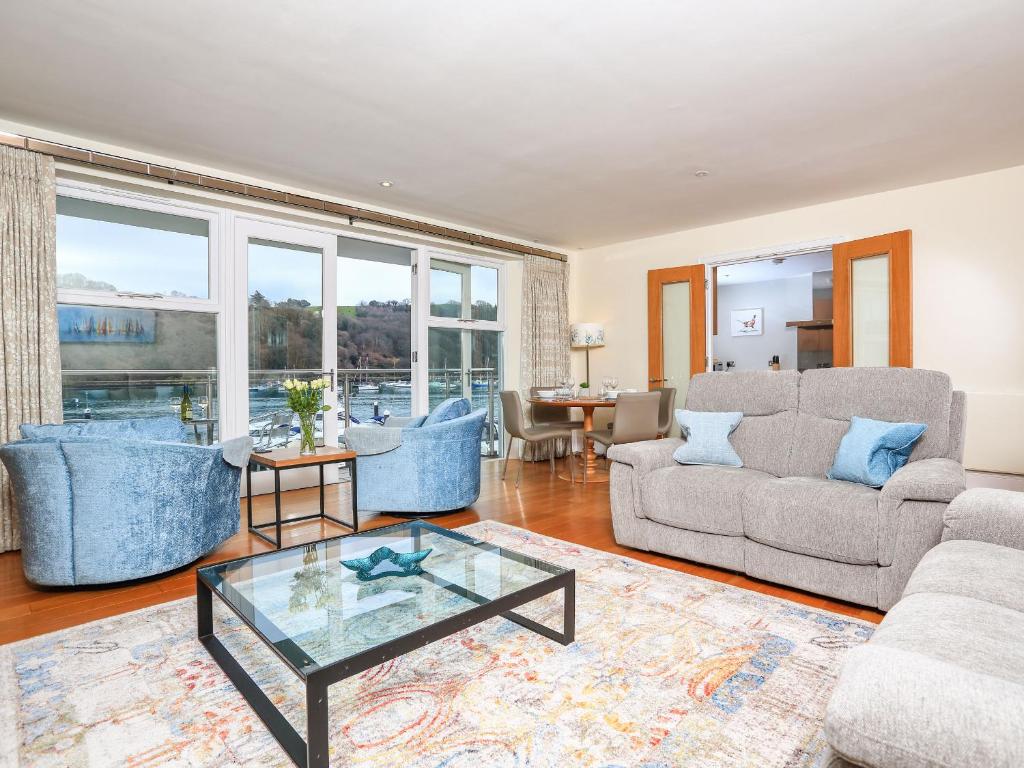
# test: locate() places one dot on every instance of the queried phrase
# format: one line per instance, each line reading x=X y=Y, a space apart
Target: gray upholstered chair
x=515 y=426
x=636 y=419
x=552 y=416
x=544 y=415
x=666 y=408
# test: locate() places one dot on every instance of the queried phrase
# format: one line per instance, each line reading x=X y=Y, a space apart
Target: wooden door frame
x=656 y=280
x=901 y=311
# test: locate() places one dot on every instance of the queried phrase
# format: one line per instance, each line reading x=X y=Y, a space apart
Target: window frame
x=126 y=199
x=464 y=323
x=224 y=218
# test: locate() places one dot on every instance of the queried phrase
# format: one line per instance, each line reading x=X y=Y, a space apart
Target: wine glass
x=613 y=382
x=569 y=385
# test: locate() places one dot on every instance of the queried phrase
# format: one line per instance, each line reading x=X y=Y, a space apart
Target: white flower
x=289 y=384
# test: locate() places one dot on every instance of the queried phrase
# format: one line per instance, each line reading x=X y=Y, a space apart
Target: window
x=114 y=249
x=464 y=339
x=465 y=291
x=375 y=327
x=137 y=320
x=129 y=363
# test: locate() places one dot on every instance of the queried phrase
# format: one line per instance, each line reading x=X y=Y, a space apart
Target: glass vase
x=307 y=439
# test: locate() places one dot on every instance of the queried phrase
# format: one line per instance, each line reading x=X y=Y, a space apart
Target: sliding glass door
x=375 y=299
x=289 y=333
x=464 y=339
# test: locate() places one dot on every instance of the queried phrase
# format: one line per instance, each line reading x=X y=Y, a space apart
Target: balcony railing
x=364 y=394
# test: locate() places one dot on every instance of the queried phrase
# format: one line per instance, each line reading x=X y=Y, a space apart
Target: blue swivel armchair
x=426 y=466
x=109 y=501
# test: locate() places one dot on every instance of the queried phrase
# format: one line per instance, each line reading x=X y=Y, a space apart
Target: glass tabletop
x=324 y=602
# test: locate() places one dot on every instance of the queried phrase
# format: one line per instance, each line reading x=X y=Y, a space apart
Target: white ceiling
x=765 y=269
x=573 y=123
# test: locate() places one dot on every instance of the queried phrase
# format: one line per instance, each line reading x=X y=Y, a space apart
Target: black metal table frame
x=277 y=522
x=313 y=752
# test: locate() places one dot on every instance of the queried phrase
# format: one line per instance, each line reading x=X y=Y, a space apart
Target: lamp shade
x=586 y=335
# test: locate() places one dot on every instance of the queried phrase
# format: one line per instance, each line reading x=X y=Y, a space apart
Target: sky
x=158 y=261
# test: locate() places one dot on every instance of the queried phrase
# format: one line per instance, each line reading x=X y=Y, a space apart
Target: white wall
x=782 y=300
x=968 y=252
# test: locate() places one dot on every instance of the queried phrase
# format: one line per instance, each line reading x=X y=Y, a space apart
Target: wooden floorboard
x=543 y=504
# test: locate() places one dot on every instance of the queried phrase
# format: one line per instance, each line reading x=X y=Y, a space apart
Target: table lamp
x=586 y=335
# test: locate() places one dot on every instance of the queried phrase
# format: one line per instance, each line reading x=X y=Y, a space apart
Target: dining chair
x=666 y=408
x=552 y=415
x=636 y=419
x=515 y=425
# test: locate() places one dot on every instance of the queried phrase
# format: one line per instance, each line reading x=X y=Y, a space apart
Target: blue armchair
x=97 y=509
x=428 y=466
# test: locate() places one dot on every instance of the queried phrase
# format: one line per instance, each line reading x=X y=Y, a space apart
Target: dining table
x=588 y=405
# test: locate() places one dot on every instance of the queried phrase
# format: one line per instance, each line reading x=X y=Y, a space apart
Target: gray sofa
x=778 y=518
x=941 y=682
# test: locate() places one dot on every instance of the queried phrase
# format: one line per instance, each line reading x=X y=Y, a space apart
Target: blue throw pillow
x=449 y=409
x=872 y=450
x=707 y=438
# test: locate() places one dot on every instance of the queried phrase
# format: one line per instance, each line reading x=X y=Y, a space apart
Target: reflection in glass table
x=326 y=624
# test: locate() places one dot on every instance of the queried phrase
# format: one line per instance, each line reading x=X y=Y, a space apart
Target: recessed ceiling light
x=386 y=184
x=702 y=174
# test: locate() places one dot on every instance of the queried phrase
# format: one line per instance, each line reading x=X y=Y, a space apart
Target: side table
x=289 y=458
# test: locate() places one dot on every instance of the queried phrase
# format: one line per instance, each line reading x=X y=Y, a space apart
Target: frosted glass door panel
x=675 y=298
x=870 y=301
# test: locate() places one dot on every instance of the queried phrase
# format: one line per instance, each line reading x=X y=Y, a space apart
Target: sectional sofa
x=779 y=517
x=941 y=682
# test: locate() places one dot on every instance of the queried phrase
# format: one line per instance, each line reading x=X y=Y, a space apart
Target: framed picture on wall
x=748 y=322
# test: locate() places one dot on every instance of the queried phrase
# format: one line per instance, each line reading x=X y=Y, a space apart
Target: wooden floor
x=543 y=503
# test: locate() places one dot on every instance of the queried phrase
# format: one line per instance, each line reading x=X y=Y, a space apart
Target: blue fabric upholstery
x=436 y=469
x=707 y=438
x=167 y=428
x=96 y=510
x=452 y=408
x=871 y=450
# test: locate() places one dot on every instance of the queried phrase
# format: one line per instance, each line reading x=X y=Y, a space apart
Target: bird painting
x=747 y=322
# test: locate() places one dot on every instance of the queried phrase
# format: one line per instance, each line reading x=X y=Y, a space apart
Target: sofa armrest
x=926 y=480
x=368 y=440
x=986 y=514
x=646 y=456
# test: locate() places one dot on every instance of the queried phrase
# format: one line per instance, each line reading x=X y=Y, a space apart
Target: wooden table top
x=280 y=458
x=579 y=402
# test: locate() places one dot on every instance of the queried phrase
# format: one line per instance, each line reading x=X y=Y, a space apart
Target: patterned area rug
x=667 y=670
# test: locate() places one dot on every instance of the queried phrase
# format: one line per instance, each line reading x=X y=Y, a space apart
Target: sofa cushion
x=707 y=499
x=768 y=401
x=830 y=519
x=972 y=569
x=973 y=634
x=830 y=397
x=893 y=707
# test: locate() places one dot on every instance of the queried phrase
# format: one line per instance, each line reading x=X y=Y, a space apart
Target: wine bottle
x=186 y=404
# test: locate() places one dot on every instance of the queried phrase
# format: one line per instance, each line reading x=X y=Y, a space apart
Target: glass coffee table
x=399 y=588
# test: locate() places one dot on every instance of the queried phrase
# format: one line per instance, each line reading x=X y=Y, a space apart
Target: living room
x=367 y=399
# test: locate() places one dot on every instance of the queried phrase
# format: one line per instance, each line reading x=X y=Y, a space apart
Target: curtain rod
x=178 y=176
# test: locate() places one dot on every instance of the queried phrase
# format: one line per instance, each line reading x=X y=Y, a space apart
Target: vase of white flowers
x=306 y=398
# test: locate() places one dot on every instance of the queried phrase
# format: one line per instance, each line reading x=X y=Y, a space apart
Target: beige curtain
x=545 y=327
x=29 y=351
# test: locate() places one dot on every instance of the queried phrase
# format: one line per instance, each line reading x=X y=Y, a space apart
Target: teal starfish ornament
x=386 y=562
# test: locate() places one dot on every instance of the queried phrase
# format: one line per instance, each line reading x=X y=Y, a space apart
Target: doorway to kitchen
x=773 y=313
